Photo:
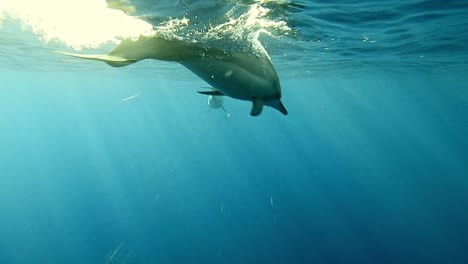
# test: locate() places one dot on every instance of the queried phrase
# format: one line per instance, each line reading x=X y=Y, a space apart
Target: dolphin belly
x=232 y=80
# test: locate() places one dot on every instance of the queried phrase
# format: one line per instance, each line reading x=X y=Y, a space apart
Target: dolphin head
x=244 y=76
x=278 y=105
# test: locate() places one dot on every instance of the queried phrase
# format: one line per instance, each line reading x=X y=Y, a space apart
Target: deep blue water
x=370 y=165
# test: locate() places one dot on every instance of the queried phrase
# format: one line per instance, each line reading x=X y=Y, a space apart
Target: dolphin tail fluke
x=112 y=60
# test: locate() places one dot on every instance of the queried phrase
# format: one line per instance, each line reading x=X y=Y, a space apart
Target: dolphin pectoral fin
x=112 y=60
x=257 y=106
x=211 y=92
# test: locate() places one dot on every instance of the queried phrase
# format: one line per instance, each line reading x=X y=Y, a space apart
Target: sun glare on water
x=75 y=23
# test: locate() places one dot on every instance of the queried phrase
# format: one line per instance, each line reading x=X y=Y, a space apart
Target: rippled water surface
x=302 y=37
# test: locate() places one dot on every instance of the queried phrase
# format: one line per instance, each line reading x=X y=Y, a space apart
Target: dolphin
x=240 y=75
x=215 y=99
x=215 y=102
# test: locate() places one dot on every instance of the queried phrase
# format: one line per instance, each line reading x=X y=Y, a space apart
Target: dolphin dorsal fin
x=257 y=106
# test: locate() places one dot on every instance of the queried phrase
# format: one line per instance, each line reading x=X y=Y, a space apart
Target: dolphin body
x=240 y=75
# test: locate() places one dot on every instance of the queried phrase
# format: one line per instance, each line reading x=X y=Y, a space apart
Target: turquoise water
x=126 y=165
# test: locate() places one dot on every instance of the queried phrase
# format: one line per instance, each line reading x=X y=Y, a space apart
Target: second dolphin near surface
x=240 y=75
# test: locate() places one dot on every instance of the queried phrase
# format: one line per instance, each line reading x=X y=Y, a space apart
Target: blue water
x=370 y=165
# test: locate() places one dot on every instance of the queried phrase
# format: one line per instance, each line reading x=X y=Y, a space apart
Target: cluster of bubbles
x=91 y=23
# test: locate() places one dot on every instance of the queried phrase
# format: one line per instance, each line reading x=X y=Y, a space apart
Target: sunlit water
x=127 y=165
